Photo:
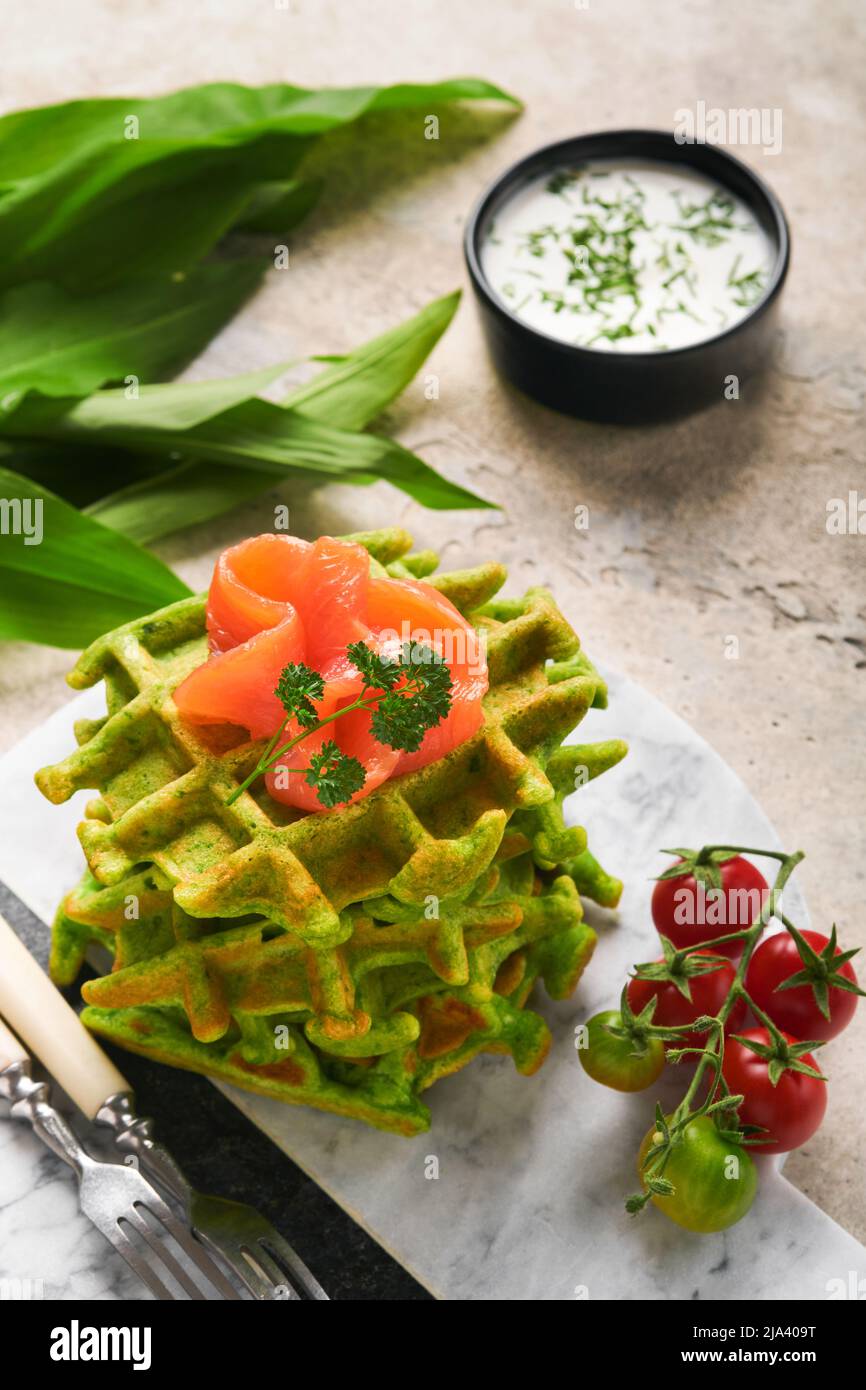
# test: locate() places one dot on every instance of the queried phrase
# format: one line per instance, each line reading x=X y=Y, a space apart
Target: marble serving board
x=516 y=1192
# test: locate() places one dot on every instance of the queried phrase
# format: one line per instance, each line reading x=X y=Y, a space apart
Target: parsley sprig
x=407 y=694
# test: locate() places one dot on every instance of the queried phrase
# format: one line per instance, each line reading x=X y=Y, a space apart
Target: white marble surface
x=527 y=1204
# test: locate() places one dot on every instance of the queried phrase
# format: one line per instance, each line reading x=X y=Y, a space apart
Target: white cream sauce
x=627 y=257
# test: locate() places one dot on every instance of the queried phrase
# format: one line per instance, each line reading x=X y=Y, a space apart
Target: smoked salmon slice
x=416 y=612
x=276 y=599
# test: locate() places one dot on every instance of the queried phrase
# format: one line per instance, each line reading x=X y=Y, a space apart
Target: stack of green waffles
x=345 y=960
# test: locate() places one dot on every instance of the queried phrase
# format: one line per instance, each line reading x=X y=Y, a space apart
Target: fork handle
x=133 y=1136
x=10 y=1048
x=47 y=1024
x=31 y=1100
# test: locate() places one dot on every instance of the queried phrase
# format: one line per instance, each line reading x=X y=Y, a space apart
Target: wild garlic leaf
x=269 y=440
x=278 y=207
x=69 y=345
x=356 y=388
x=176 y=496
x=77 y=578
x=132 y=416
x=92 y=189
x=79 y=473
x=367 y=381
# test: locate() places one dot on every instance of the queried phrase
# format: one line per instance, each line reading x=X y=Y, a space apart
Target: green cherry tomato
x=715 y=1180
x=613 y=1061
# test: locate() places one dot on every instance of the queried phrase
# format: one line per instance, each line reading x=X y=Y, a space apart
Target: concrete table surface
x=708 y=529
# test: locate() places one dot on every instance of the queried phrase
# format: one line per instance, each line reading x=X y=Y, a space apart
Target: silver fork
x=117 y=1199
x=253 y=1250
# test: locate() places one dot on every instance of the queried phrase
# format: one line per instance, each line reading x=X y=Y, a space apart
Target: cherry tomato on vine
x=790 y=1111
x=797 y=1010
x=673 y=1009
x=618 y=1062
x=688 y=914
x=714 y=1179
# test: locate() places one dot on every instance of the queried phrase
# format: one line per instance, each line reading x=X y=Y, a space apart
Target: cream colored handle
x=10 y=1048
x=46 y=1023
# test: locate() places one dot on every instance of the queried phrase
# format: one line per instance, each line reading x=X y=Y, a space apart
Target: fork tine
x=161 y=1251
x=286 y=1255
x=242 y=1264
x=186 y=1241
x=192 y=1247
x=127 y=1251
x=274 y=1276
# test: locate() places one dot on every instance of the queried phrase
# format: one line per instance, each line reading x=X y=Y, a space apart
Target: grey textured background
x=710 y=528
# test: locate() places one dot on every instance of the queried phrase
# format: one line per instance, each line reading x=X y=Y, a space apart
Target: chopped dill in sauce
x=629 y=258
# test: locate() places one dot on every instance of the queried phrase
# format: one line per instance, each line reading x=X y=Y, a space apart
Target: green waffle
x=343 y=961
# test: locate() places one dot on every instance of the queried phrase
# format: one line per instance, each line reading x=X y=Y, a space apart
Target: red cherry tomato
x=672 y=1010
x=795 y=1010
x=790 y=1111
x=689 y=914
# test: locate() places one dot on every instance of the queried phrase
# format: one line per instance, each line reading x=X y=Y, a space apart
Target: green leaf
x=93 y=242
x=65 y=345
x=356 y=391
x=275 y=208
x=96 y=192
x=296 y=690
x=179 y=496
x=80 y=474
x=32 y=141
x=80 y=578
x=379 y=672
x=335 y=775
x=115 y=416
x=358 y=387
x=405 y=713
x=255 y=434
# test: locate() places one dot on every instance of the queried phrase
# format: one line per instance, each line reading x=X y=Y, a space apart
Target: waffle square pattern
x=347 y=960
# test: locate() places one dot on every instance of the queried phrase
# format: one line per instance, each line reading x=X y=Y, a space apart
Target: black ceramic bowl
x=628 y=387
